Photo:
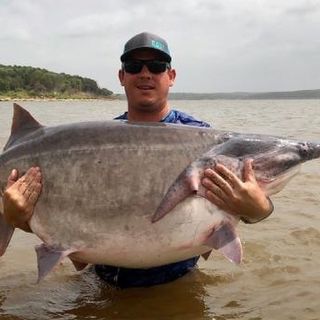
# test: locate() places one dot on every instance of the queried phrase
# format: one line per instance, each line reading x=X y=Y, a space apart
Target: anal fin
x=49 y=257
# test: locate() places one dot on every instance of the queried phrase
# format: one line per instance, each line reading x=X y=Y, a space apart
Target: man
x=146 y=75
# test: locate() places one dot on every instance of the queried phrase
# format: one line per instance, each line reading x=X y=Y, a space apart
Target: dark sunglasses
x=154 y=66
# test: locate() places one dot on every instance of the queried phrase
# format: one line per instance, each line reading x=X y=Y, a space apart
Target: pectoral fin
x=188 y=181
x=186 y=184
x=49 y=257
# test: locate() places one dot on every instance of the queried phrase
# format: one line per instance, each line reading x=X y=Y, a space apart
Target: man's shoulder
x=176 y=116
x=123 y=116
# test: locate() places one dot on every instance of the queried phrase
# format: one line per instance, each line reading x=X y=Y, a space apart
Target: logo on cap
x=158 y=45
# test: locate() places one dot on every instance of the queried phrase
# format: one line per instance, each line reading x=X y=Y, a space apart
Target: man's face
x=147 y=91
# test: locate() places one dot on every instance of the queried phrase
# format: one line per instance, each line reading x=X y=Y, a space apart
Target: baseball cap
x=146 y=40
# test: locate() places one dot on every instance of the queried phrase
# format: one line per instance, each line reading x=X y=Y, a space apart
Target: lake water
x=278 y=279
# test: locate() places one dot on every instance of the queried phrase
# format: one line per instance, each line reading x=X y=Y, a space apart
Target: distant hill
x=300 y=94
x=29 y=82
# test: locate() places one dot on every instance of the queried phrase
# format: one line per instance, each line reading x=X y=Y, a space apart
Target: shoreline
x=4 y=98
x=173 y=97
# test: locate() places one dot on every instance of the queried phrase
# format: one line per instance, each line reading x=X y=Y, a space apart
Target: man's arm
x=241 y=198
x=20 y=197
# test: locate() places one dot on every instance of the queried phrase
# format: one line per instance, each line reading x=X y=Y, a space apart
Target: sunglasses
x=154 y=66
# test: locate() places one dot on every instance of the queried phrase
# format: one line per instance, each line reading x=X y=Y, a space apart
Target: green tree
x=41 y=82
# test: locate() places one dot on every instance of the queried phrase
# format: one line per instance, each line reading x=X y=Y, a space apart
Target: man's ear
x=121 y=76
x=172 y=76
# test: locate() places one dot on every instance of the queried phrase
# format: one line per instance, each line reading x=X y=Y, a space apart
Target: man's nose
x=145 y=72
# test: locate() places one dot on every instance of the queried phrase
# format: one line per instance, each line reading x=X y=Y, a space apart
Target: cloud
x=217 y=45
x=304 y=9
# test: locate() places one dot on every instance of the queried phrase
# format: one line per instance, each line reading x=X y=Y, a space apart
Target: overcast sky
x=217 y=45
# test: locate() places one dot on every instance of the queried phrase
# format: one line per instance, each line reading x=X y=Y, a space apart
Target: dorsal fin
x=23 y=123
x=22 y=120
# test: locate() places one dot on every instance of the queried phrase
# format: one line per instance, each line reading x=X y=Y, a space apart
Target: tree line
x=37 y=82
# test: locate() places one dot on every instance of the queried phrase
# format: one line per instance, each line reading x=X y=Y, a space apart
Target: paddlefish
x=130 y=194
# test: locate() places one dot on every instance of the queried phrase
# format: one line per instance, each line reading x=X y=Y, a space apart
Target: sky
x=216 y=45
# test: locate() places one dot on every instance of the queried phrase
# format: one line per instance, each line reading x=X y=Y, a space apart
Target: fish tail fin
x=6 y=232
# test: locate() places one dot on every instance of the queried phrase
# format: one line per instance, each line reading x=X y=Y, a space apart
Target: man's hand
x=20 y=197
x=241 y=198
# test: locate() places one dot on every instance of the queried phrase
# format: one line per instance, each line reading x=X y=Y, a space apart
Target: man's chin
x=147 y=103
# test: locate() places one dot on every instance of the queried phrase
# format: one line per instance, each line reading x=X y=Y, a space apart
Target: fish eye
x=303 y=148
